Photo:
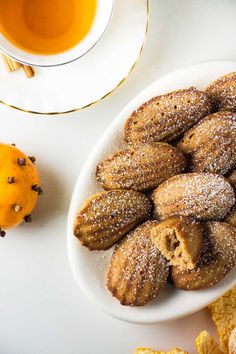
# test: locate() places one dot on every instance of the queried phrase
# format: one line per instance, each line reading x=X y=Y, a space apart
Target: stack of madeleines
x=181 y=147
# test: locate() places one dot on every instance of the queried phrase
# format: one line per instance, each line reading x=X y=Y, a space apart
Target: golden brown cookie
x=210 y=146
x=217 y=259
x=166 y=117
x=204 y=196
x=106 y=217
x=179 y=239
x=223 y=93
x=137 y=270
x=140 y=168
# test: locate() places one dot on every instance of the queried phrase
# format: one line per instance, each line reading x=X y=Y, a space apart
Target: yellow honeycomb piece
x=223 y=312
x=206 y=344
x=177 y=351
x=150 y=351
x=147 y=351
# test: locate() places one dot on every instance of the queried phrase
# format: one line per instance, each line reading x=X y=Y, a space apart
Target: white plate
x=89 y=268
x=92 y=77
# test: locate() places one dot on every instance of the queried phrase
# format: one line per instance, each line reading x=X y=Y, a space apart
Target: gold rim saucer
x=100 y=99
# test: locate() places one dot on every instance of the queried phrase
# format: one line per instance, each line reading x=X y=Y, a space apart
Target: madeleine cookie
x=216 y=261
x=137 y=270
x=140 y=168
x=166 y=117
x=223 y=93
x=179 y=239
x=204 y=196
x=106 y=217
x=210 y=146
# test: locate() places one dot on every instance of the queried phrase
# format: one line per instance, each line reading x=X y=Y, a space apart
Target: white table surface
x=42 y=311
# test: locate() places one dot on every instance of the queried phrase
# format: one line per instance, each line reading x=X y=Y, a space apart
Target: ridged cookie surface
x=165 y=117
x=140 y=168
x=216 y=261
x=223 y=93
x=137 y=271
x=106 y=217
x=210 y=146
x=204 y=196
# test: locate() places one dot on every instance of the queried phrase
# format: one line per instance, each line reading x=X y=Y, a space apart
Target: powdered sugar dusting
x=137 y=270
x=210 y=145
x=141 y=168
x=200 y=195
x=223 y=93
x=165 y=117
x=107 y=216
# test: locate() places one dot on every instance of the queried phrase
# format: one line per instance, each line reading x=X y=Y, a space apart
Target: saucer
x=91 y=78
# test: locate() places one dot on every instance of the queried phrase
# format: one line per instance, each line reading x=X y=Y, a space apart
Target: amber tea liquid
x=46 y=26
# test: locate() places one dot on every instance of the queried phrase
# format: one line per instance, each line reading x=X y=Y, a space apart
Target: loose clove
x=2 y=233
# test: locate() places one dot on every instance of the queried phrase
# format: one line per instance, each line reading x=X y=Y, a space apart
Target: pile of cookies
x=169 y=195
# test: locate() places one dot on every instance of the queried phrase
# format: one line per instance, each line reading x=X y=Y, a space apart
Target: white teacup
x=100 y=23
